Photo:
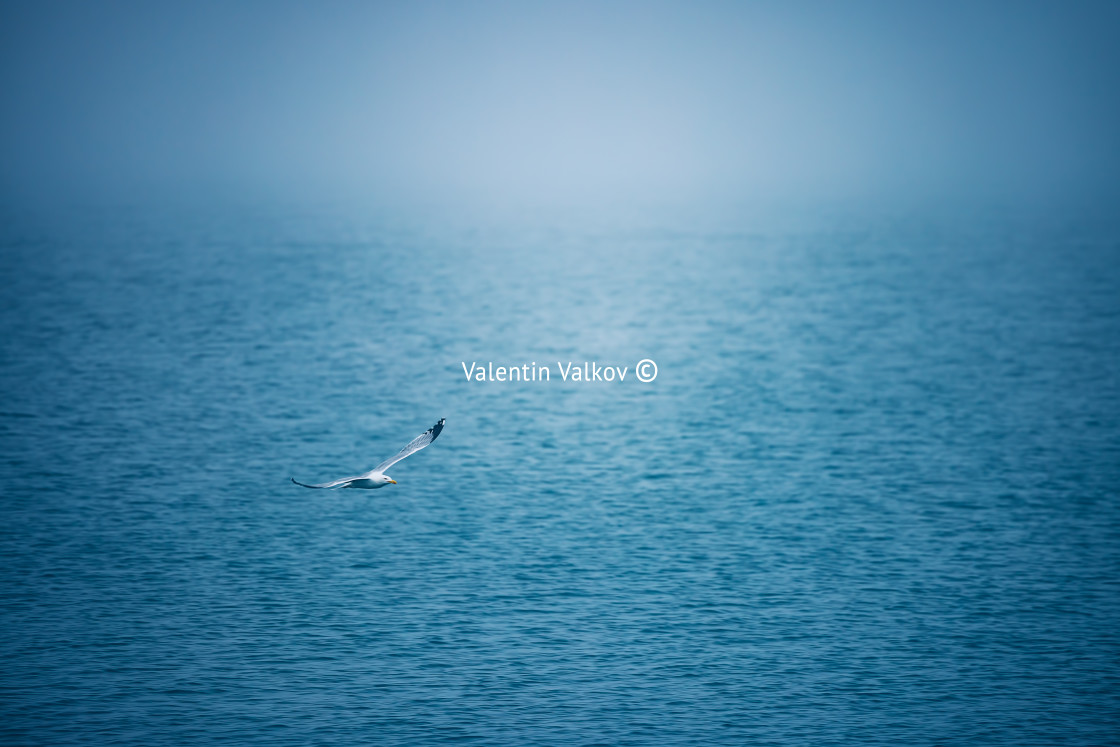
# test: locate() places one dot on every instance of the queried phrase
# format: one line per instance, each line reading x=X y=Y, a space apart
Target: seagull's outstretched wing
x=340 y=483
x=414 y=446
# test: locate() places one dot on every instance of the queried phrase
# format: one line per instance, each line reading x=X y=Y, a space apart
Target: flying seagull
x=376 y=477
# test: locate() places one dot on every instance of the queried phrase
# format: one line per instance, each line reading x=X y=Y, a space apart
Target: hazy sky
x=559 y=101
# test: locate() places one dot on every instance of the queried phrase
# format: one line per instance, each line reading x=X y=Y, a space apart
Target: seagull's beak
x=393 y=481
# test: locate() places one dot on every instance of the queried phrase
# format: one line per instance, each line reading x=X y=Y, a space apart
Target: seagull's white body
x=376 y=477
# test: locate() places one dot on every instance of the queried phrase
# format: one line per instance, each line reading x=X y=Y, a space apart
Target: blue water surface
x=873 y=496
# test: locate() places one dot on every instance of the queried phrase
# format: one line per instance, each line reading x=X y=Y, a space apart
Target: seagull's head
x=388 y=480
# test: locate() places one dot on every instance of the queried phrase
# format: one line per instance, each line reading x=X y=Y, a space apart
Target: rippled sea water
x=873 y=496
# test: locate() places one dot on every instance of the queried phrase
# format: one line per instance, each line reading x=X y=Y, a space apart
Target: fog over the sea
x=559 y=102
